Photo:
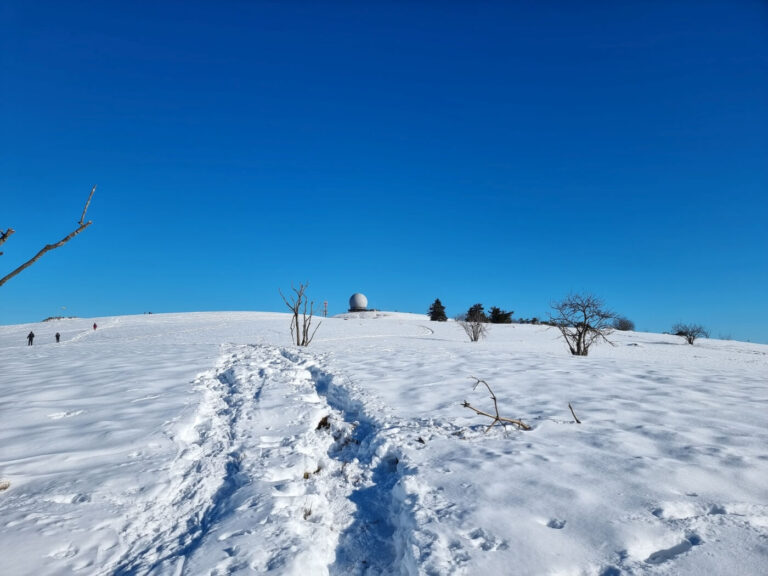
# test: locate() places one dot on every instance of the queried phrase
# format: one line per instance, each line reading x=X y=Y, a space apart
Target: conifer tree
x=437 y=311
x=476 y=313
x=499 y=316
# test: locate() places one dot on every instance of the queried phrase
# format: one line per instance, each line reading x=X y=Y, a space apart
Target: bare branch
x=300 y=333
x=574 y=414
x=48 y=247
x=496 y=418
x=4 y=236
x=88 y=203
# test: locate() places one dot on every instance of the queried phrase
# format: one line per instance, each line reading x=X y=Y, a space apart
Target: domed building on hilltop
x=358 y=303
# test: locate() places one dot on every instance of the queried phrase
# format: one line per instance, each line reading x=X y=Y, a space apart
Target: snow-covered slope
x=207 y=444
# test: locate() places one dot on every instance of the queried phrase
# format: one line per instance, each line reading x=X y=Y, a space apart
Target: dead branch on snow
x=574 y=414
x=496 y=418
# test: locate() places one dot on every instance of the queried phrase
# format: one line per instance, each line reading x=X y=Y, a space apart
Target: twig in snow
x=574 y=414
x=496 y=418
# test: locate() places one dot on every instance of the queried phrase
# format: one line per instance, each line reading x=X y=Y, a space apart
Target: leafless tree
x=82 y=225
x=582 y=320
x=303 y=311
x=474 y=328
x=690 y=332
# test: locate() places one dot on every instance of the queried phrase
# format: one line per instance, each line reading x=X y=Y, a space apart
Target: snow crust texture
x=207 y=444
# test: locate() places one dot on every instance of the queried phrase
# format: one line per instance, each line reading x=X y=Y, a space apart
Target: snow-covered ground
x=207 y=444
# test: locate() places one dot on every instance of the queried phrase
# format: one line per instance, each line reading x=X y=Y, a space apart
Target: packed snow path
x=269 y=475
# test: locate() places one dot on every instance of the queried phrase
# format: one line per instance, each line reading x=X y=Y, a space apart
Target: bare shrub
x=582 y=320
x=301 y=322
x=690 y=332
x=475 y=329
x=623 y=324
x=474 y=322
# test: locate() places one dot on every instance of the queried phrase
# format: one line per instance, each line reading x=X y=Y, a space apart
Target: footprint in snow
x=686 y=510
x=486 y=541
x=661 y=556
x=69 y=498
x=64 y=553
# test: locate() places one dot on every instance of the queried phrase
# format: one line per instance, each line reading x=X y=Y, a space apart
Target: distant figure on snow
x=30 y=337
x=94 y=326
x=58 y=337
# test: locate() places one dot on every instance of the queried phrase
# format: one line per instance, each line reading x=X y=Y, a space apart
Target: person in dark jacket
x=58 y=337
x=94 y=326
x=30 y=337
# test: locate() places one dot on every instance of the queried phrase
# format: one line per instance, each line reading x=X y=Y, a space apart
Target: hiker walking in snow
x=94 y=325
x=30 y=337
x=58 y=337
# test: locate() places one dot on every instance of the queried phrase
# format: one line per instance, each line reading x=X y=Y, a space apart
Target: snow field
x=206 y=444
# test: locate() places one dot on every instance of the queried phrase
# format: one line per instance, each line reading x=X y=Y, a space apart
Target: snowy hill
x=206 y=444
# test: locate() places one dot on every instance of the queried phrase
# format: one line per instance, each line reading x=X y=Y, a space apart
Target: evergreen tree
x=476 y=314
x=499 y=316
x=437 y=311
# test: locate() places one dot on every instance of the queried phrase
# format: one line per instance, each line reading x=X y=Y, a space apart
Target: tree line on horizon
x=582 y=320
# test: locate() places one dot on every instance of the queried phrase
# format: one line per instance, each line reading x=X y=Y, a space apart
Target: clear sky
x=498 y=152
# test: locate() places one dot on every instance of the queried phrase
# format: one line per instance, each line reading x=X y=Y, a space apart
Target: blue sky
x=498 y=152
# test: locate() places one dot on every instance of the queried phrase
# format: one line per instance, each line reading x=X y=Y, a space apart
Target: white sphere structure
x=358 y=302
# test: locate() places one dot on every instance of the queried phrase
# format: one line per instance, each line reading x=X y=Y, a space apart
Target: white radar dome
x=358 y=302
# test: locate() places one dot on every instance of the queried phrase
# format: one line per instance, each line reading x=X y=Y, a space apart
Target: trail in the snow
x=368 y=544
x=282 y=466
x=259 y=484
x=168 y=523
x=394 y=525
x=391 y=528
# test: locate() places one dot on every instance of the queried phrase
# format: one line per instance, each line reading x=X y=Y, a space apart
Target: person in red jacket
x=94 y=326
